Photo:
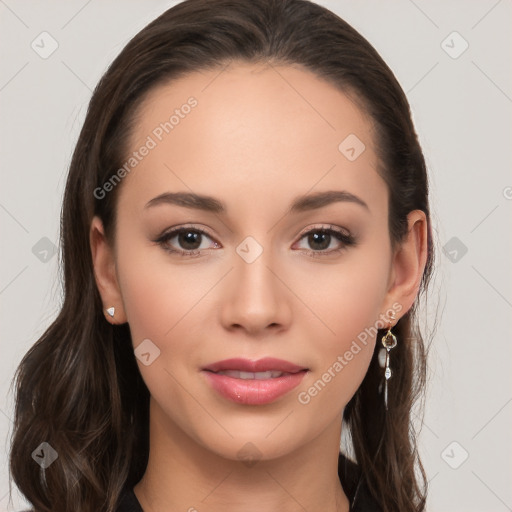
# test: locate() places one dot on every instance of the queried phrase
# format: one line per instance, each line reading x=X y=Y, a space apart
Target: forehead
x=250 y=127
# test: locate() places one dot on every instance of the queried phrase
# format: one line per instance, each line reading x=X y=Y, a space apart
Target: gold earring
x=388 y=341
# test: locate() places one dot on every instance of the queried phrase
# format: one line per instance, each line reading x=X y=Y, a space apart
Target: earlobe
x=409 y=262
x=103 y=260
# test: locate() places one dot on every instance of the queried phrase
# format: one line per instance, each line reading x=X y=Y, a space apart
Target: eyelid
x=344 y=237
x=176 y=230
x=324 y=227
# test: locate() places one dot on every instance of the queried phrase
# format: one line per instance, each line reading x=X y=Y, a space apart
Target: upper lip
x=261 y=365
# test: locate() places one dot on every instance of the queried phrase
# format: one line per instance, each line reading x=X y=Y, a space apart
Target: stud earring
x=388 y=341
x=111 y=311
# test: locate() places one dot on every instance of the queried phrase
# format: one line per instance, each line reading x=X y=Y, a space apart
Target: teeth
x=271 y=374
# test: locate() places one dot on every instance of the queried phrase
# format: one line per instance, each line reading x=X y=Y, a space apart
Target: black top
x=354 y=486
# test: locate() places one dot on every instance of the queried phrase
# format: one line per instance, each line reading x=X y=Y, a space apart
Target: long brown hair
x=79 y=388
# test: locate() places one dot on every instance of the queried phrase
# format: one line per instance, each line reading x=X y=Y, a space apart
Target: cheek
x=165 y=304
x=157 y=295
x=348 y=300
x=159 y=305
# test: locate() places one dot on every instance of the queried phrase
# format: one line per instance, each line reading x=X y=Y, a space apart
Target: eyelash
x=346 y=239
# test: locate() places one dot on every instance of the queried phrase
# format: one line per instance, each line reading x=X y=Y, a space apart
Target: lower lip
x=253 y=391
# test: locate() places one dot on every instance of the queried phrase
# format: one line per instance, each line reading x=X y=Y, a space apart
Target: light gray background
x=462 y=111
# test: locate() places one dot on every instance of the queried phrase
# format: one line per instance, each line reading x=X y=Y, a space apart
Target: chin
x=253 y=445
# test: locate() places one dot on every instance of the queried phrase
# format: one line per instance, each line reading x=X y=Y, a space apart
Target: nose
x=256 y=298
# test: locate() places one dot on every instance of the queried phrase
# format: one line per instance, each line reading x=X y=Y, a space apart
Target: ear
x=409 y=263
x=105 y=272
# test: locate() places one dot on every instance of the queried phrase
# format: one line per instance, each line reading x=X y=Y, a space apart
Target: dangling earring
x=389 y=342
x=111 y=311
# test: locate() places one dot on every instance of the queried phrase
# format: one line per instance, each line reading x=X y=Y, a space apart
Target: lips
x=261 y=365
x=254 y=382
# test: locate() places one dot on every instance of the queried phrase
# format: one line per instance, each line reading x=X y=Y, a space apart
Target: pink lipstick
x=254 y=382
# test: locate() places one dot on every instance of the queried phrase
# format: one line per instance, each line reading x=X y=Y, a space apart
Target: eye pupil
x=315 y=237
x=189 y=237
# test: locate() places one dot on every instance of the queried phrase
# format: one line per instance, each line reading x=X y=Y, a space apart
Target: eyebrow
x=300 y=204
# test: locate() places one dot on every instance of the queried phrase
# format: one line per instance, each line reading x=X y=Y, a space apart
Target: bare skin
x=255 y=143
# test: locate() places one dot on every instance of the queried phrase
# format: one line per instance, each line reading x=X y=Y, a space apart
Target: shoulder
x=355 y=487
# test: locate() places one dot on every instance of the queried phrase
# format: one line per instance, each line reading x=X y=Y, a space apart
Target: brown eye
x=187 y=242
x=320 y=239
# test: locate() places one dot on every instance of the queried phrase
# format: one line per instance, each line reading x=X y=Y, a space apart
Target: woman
x=246 y=234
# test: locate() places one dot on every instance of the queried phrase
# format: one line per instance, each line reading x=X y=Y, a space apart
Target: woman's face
x=263 y=280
